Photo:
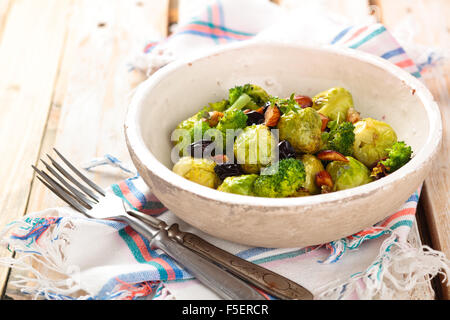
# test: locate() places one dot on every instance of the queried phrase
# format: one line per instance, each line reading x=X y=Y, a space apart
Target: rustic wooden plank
x=30 y=51
x=432 y=28
x=94 y=87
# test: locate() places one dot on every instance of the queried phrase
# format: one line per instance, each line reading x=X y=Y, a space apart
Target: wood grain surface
x=30 y=53
x=76 y=95
x=65 y=84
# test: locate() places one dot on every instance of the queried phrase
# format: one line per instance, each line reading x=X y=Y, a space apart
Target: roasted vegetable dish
x=256 y=144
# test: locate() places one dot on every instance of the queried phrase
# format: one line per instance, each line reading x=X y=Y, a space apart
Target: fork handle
x=269 y=281
x=225 y=284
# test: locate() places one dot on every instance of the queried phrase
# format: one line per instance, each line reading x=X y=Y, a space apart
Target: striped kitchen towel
x=96 y=259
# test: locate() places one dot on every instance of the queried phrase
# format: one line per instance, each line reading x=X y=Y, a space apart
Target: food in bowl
x=256 y=144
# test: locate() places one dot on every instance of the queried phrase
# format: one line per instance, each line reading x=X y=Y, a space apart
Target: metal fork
x=92 y=201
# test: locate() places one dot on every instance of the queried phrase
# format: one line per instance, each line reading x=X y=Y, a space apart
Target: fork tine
x=72 y=179
x=73 y=190
x=59 y=190
x=54 y=191
x=82 y=176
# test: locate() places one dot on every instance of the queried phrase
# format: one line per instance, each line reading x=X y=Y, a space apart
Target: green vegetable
x=219 y=105
x=281 y=179
x=285 y=105
x=197 y=170
x=232 y=120
x=312 y=167
x=257 y=94
x=373 y=138
x=302 y=130
x=253 y=148
x=193 y=130
x=348 y=175
x=333 y=103
x=239 y=184
x=399 y=155
x=195 y=127
x=340 y=138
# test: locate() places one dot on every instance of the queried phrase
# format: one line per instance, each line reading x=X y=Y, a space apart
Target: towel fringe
x=39 y=243
x=397 y=270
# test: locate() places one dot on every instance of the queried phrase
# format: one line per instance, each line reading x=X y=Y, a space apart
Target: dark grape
x=285 y=150
x=225 y=170
x=254 y=117
x=198 y=148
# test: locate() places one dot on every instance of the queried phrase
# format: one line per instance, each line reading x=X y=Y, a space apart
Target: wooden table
x=64 y=83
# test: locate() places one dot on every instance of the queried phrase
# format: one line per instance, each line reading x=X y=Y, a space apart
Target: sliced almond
x=220 y=158
x=303 y=101
x=272 y=116
x=260 y=110
x=324 y=121
x=353 y=116
x=323 y=178
x=215 y=118
x=331 y=155
x=247 y=111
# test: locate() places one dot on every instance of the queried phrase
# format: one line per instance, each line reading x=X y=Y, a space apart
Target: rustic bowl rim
x=136 y=142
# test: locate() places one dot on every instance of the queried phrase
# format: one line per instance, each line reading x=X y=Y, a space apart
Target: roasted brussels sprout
x=253 y=148
x=302 y=129
x=333 y=103
x=372 y=139
x=197 y=170
x=239 y=184
x=349 y=174
x=281 y=179
x=312 y=167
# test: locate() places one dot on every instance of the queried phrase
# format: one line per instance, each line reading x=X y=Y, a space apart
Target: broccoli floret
x=340 y=137
x=399 y=154
x=219 y=105
x=257 y=94
x=280 y=180
x=285 y=105
x=234 y=119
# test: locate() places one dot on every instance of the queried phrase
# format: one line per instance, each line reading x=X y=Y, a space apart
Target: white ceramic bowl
x=380 y=90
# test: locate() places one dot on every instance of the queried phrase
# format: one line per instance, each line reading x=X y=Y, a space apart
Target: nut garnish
x=303 y=101
x=323 y=178
x=331 y=155
x=272 y=116
x=215 y=118
x=353 y=116
x=324 y=121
